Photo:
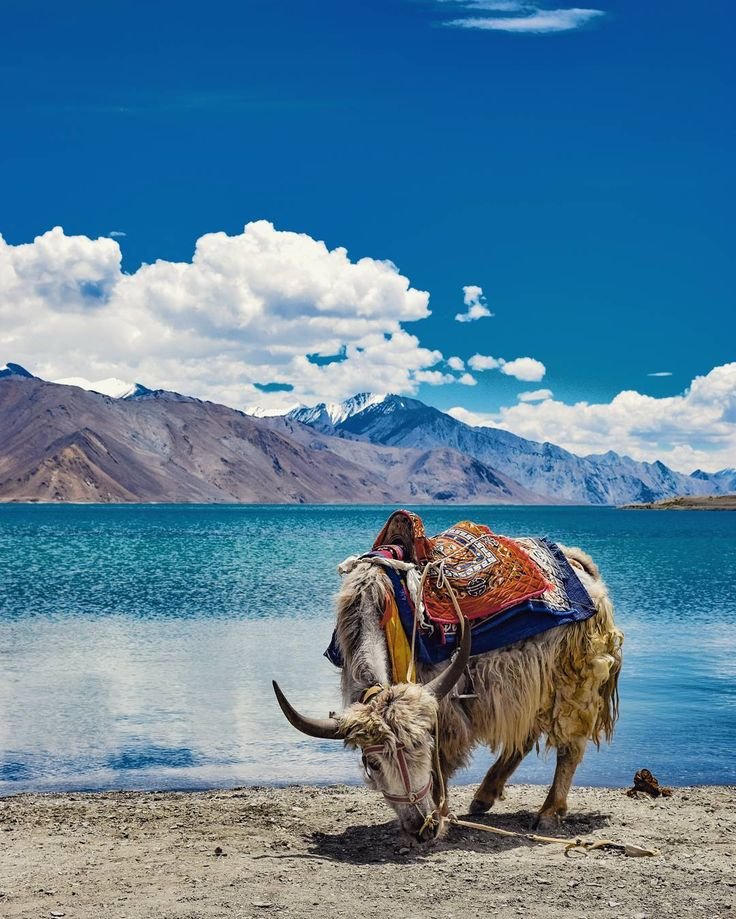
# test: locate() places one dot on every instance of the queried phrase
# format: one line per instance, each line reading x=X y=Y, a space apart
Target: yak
x=557 y=688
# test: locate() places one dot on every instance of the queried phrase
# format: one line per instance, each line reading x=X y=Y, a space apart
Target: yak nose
x=427 y=833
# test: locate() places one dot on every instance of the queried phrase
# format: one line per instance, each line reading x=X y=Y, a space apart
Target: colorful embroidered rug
x=487 y=573
x=563 y=601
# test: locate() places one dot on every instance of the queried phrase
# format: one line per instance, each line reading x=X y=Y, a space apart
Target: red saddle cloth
x=488 y=573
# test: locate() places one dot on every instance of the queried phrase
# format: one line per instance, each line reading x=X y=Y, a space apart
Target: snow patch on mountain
x=111 y=386
x=259 y=411
x=328 y=415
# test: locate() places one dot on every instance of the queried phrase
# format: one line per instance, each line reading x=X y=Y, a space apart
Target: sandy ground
x=319 y=852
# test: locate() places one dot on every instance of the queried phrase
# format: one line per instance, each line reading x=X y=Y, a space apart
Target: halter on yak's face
x=396 y=731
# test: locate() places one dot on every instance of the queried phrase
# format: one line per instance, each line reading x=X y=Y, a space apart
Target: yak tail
x=612 y=639
x=588 y=701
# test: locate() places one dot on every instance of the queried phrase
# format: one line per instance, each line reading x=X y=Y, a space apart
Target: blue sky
x=575 y=165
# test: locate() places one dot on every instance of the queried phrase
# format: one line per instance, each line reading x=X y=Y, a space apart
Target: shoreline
x=263 y=786
x=691 y=503
x=314 y=851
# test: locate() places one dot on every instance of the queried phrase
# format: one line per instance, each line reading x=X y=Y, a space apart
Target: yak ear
x=324 y=728
x=443 y=683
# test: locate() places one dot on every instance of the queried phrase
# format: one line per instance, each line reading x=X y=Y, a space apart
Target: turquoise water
x=137 y=643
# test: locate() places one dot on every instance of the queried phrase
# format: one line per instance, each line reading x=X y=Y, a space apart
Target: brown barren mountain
x=62 y=443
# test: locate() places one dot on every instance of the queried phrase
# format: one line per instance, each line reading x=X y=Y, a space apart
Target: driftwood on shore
x=317 y=852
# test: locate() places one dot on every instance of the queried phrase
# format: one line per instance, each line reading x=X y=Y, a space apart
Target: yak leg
x=491 y=789
x=569 y=758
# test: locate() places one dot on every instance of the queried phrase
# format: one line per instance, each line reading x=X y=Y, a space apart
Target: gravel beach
x=317 y=852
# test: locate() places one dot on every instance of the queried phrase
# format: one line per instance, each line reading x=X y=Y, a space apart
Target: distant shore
x=316 y=852
x=690 y=503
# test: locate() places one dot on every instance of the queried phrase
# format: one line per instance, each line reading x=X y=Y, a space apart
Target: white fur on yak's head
x=395 y=731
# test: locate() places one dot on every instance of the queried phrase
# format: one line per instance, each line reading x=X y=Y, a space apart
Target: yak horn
x=444 y=682
x=326 y=728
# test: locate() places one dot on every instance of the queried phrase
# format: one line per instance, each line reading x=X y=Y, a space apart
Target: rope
x=442 y=581
x=570 y=845
x=352 y=561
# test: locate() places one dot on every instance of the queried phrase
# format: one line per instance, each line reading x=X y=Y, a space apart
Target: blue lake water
x=137 y=643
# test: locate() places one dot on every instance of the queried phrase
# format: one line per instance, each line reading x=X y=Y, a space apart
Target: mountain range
x=542 y=468
x=66 y=442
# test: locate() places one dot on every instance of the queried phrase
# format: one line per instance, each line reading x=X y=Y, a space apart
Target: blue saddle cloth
x=566 y=601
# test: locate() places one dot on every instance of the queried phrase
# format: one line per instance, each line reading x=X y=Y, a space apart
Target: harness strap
x=370 y=693
x=411 y=797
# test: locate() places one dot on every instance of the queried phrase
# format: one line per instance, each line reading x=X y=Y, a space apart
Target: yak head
x=395 y=728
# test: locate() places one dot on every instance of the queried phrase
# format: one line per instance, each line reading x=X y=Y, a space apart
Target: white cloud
x=476 y=304
x=474 y=419
x=535 y=395
x=471 y=293
x=434 y=377
x=694 y=429
x=456 y=363
x=527 y=369
x=524 y=368
x=661 y=373
x=533 y=21
x=467 y=379
x=114 y=233
x=483 y=362
x=247 y=309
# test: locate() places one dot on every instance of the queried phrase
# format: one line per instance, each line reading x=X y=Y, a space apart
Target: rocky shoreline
x=691 y=503
x=318 y=852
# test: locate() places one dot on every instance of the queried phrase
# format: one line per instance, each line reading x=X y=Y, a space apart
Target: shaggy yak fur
x=558 y=688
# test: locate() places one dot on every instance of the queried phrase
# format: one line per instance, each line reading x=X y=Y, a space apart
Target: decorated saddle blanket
x=533 y=589
x=486 y=573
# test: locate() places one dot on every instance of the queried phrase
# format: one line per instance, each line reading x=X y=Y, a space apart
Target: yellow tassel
x=399 y=649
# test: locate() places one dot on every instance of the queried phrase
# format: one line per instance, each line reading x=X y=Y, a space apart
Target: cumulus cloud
x=526 y=17
x=438 y=378
x=483 y=362
x=476 y=304
x=434 y=377
x=456 y=363
x=528 y=369
x=694 y=429
x=474 y=419
x=256 y=307
x=535 y=395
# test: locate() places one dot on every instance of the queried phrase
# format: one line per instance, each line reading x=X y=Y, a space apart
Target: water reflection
x=137 y=645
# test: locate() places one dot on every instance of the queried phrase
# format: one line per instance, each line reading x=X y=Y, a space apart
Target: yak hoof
x=547 y=823
x=480 y=807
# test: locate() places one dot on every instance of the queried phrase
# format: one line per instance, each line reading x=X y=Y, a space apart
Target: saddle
x=509 y=589
x=487 y=573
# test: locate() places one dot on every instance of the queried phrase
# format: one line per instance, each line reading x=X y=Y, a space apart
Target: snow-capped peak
x=112 y=386
x=259 y=411
x=339 y=411
x=334 y=413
